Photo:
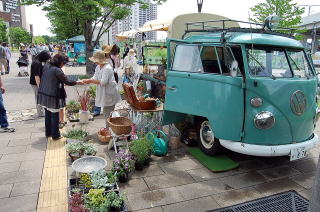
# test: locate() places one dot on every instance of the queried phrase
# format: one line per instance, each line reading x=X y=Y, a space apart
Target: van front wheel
x=209 y=144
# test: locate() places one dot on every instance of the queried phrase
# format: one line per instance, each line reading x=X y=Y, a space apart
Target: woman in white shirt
x=107 y=90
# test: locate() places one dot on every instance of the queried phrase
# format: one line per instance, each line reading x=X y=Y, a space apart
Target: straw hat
x=99 y=57
x=131 y=51
x=106 y=49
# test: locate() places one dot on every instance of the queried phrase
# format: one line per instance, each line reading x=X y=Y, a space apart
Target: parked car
x=253 y=91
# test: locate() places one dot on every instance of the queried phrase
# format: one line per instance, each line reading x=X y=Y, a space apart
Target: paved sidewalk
x=21 y=163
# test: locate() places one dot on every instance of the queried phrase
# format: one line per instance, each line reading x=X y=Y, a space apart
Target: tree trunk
x=89 y=47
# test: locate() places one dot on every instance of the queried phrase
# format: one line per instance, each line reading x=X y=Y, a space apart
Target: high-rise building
x=138 y=18
x=15 y=11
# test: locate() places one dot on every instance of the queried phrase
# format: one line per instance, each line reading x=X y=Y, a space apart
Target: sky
x=233 y=9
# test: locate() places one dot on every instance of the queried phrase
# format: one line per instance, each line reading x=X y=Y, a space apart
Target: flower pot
x=84 y=116
x=124 y=178
x=139 y=166
x=75 y=156
x=147 y=162
x=122 y=209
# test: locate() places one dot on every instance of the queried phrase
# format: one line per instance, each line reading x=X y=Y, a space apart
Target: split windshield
x=278 y=62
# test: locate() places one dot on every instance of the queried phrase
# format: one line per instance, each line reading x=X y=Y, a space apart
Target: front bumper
x=267 y=151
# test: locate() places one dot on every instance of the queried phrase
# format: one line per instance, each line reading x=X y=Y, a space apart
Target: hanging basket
x=120 y=125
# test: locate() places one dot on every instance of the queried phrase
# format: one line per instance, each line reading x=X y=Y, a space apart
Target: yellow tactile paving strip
x=53 y=190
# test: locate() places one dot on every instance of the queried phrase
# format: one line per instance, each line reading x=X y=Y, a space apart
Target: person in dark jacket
x=51 y=93
x=35 y=76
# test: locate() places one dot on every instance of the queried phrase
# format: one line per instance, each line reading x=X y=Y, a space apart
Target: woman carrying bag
x=51 y=93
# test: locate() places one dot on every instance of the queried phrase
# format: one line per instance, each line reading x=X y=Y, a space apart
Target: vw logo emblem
x=298 y=103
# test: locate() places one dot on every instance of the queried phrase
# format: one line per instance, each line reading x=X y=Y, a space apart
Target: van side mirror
x=234 y=68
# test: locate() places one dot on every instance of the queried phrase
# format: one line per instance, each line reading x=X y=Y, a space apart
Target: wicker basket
x=146 y=104
x=120 y=125
x=104 y=138
x=140 y=104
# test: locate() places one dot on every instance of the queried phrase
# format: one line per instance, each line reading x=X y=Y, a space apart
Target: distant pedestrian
x=3 y=60
x=3 y=113
x=115 y=57
x=33 y=51
x=126 y=50
x=35 y=76
x=8 y=54
x=52 y=95
x=130 y=67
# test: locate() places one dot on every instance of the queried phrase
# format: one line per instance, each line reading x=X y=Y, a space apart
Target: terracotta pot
x=138 y=166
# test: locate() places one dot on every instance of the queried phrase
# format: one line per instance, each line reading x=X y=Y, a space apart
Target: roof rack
x=207 y=26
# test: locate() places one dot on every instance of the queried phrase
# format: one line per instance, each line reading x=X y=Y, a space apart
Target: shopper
x=126 y=50
x=35 y=76
x=107 y=89
x=3 y=60
x=130 y=67
x=8 y=54
x=51 y=93
x=115 y=57
x=3 y=113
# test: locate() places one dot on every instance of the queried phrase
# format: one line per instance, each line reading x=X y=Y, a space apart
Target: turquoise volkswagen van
x=253 y=91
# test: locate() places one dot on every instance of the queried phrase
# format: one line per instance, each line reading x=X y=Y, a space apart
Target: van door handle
x=172 y=88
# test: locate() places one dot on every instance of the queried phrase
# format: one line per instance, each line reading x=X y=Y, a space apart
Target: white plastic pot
x=84 y=116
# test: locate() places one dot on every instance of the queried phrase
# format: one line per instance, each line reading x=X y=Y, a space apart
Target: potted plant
x=75 y=134
x=73 y=108
x=85 y=180
x=140 y=86
x=89 y=149
x=84 y=113
x=101 y=179
x=140 y=151
x=76 y=202
x=75 y=150
x=121 y=92
x=115 y=202
x=122 y=165
x=92 y=94
x=94 y=199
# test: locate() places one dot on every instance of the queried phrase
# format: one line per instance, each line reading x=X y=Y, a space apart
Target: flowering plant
x=123 y=163
x=84 y=99
x=76 y=203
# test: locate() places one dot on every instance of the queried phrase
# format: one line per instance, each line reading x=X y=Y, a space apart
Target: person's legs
x=39 y=108
x=96 y=111
x=8 y=67
x=55 y=133
x=48 y=122
x=3 y=115
x=107 y=111
x=5 y=65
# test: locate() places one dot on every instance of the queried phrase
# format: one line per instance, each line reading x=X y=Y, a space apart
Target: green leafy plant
x=92 y=91
x=140 y=149
x=89 y=149
x=75 y=148
x=77 y=134
x=73 y=106
x=94 y=199
x=115 y=200
x=85 y=179
x=121 y=92
x=101 y=179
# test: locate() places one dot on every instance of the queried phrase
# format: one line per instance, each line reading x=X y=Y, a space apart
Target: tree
x=288 y=12
x=85 y=17
x=3 y=31
x=38 y=39
x=50 y=39
x=19 y=35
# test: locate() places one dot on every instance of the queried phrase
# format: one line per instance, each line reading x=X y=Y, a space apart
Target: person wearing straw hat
x=107 y=89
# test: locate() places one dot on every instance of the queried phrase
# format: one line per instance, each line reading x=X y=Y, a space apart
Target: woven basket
x=104 y=138
x=120 y=125
x=146 y=104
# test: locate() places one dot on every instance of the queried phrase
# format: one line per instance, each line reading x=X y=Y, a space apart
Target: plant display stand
x=118 y=140
x=147 y=120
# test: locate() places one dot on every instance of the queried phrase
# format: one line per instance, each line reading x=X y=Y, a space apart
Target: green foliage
x=73 y=106
x=19 y=35
x=85 y=76
x=101 y=179
x=77 y=134
x=38 y=39
x=288 y=12
x=51 y=39
x=3 y=31
x=92 y=91
x=94 y=199
x=115 y=200
x=141 y=149
x=74 y=148
x=89 y=149
x=86 y=180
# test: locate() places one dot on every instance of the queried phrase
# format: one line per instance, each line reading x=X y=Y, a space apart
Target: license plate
x=298 y=153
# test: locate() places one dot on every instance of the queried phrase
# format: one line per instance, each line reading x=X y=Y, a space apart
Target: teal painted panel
x=217 y=97
x=170 y=117
x=276 y=95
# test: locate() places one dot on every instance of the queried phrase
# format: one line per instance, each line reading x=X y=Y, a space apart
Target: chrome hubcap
x=206 y=134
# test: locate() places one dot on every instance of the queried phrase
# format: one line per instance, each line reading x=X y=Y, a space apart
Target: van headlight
x=264 y=120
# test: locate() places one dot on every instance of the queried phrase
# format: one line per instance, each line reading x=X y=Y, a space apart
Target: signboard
x=79 y=47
